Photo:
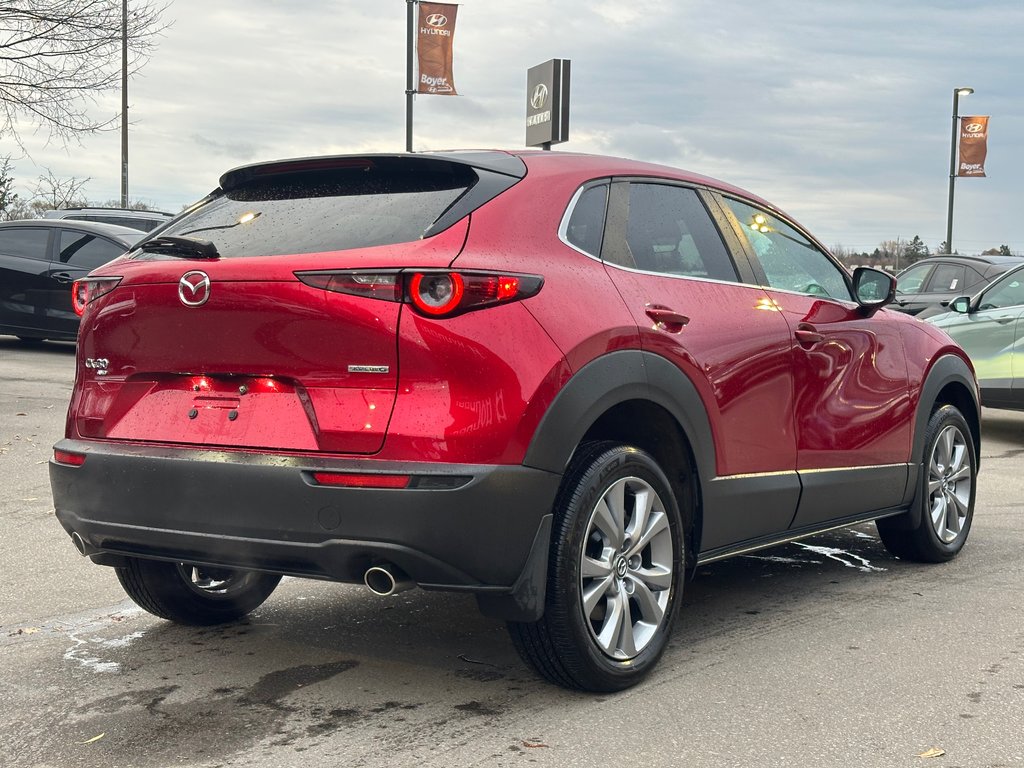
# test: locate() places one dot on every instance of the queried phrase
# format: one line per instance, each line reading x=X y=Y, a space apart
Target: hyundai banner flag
x=973 y=145
x=435 y=34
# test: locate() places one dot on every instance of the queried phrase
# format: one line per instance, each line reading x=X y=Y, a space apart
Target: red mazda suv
x=556 y=381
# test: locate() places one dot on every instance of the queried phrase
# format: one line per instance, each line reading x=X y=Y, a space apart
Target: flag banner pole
x=410 y=84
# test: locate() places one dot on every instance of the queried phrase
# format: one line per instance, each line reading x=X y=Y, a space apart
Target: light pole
x=124 y=103
x=957 y=93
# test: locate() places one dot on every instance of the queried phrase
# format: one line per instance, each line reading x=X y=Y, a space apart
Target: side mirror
x=961 y=304
x=873 y=288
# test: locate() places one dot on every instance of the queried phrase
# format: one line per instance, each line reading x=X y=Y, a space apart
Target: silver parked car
x=990 y=328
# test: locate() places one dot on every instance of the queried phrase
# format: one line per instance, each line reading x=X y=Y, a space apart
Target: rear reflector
x=69 y=458
x=342 y=480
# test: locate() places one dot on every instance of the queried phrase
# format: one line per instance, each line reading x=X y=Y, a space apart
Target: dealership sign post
x=547 y=103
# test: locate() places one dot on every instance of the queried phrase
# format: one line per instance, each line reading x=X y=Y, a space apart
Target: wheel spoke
x=643 y=502
x=658 y=577
x=945 y=444
x=658 y=523
x=596 y=590
x=610 y=526
x=651 y=611
x=963 y=473
x=626 y=642
x=613 y=619
x=595 y=569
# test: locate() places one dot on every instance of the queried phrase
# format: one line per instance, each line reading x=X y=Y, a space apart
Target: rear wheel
x=194 y=594
x=948 y=489
x=614 y=576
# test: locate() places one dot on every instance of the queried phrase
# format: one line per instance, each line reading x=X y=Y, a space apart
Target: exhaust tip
x=79 y=542
x=386 y=580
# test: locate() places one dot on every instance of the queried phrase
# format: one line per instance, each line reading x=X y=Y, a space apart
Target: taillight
x=434 y=293
x=88 y=289
x=437 y=294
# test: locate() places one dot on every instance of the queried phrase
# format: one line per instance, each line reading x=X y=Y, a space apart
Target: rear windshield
x=375 y=203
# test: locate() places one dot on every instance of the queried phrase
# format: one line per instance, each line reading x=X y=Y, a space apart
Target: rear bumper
x=457 y=527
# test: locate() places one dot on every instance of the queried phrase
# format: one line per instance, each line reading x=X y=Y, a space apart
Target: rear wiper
x=181 y=246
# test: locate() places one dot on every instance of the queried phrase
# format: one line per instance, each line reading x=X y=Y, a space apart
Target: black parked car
x=935 y=281
x=39 y=260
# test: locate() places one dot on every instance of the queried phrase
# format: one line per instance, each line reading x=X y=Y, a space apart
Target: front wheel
x=194 y=594
x=947 y=493
x=614 y=575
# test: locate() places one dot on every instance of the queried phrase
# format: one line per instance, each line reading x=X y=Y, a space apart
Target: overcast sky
x=837 y=111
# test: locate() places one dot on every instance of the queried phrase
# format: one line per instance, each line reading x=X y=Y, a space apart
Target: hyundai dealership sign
x=547 y=103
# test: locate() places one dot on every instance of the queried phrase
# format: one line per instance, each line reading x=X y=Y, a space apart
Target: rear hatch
x=223 y=344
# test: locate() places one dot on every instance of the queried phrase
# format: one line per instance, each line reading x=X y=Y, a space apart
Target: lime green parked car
x=990 y=328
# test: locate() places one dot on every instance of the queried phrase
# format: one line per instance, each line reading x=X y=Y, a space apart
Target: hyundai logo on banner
x=547 y=103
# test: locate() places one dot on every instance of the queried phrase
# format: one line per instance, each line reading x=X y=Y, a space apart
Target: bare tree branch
x=57 y=56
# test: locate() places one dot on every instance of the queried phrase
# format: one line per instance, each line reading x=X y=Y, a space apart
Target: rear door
x=24 y=281
x=852 y=406
x=669 y=262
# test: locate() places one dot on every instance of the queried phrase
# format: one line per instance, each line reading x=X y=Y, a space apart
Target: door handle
x=807 y=335
x=666 y=319
x=63 y=277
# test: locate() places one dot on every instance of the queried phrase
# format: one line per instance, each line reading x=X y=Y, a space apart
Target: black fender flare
x=948 y=369
x=607 y=381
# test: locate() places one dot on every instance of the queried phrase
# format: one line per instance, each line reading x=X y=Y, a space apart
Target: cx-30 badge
x=194 y=288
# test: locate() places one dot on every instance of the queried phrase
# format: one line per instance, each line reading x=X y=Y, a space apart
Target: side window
x=913 y=279
x=790 y=261
x=585 y=227
x=27 y=242
x=669 y=231
x=973 y=277
x=87 y=251
x=947 y=277
x=1006 y=293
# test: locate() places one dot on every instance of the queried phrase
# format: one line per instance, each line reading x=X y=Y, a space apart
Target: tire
x=194 y=594
x=611 y=596
x=947 y=489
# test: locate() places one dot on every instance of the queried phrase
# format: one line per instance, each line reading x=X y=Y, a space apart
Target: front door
x=852 y=408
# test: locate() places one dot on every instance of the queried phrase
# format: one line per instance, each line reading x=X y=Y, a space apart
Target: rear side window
x=586 y=224
x=669 y=231
x=27 y=242
x=87 y=251
x=363 y=205
x=947 y=277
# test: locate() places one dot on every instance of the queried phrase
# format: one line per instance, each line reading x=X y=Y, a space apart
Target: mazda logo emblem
x=194 y=288
x=974 y=128
x=539 y=97
x=437 y=19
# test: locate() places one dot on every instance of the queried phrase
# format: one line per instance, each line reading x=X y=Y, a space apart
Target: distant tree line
x=49 y=192
x=899 y=254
